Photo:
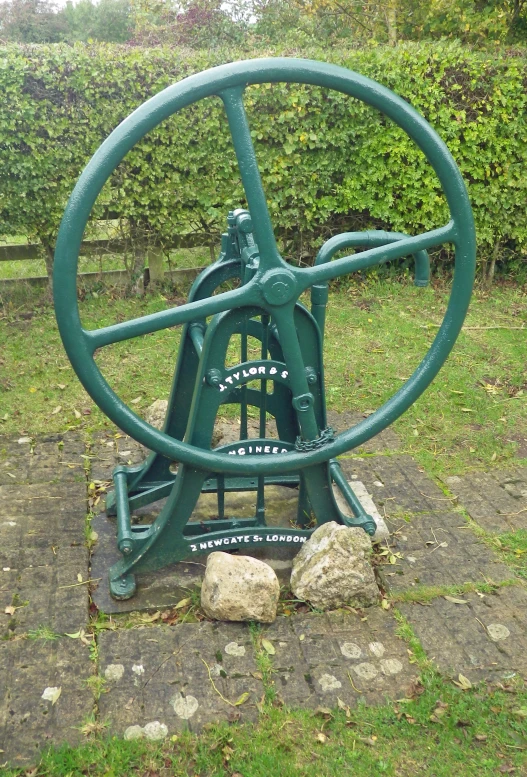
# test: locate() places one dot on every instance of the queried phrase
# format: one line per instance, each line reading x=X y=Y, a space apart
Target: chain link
x=326 y=435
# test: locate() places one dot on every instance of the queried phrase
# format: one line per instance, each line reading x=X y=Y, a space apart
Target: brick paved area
x=160 y=679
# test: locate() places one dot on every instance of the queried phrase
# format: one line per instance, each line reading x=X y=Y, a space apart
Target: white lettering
x=252 y=370
x=222 y=387
x=273 y=371
x=258 y=449
x=209 y=544
x=193 y=548
x=203 y=546
x=284 y=374
x=245 y=374
x=241 y=451
x=256 y=538
x=233 y=540
x=218 y=542
x=302 y=539
x=236 y=375
x=284 y=450
x=296 y=539
x=261 y=370
x=267 y=449
x=289 y=539
x=281 y=538
x=232 y=453
x=274 y=538
x=239 y=539
x=275 y=450
x=228 y=380
x=246 y=539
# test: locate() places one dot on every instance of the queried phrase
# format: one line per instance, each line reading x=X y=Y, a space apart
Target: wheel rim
x=226 y=81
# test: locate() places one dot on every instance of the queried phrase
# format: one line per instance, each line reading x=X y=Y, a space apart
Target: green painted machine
x=283 y=376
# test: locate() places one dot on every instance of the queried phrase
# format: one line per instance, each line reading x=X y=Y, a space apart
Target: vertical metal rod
x=243 y=404
x=260 y=494
x=220 y=483
x=124 y=530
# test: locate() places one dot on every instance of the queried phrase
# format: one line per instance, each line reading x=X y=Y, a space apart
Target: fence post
x=155 y=257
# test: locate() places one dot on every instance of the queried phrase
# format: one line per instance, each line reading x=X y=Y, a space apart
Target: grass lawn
x=473 y=416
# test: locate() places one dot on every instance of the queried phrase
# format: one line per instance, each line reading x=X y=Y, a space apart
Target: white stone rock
x=114 y=672
x=366 y=671
x=361 y=492
x=329 y=683
x=155 y=730
x=233 y=649
x=185 y=706
x=350 y=650
x=497 y=631
x=239 y=588
x=377 y=649
x=333 y=568
x=134 y=732
x=391 y=666
x=155 y=414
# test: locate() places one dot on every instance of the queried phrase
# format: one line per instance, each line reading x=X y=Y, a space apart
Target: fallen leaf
x=454 y=600
x=466 y=410
x=76 y=413
x=268 y=647
x=10 y=610
x=385 y=604
x=521 y=712
x=32 y=390
x=135 y=401
x=302 y=637
x=94 y=536
x=183 y=603
x=73 y=635
x=52 y=694
x=23 y=440
x=463 y=682
x=324 y=711
x=481 y=737
x=79 y=577
x=86 y=411
x=243 y=698
x=321 y=737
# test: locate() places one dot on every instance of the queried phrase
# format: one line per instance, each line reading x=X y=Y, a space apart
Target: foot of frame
x=123 y=587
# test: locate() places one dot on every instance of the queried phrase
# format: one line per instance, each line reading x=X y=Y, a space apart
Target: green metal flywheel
x=265 y=306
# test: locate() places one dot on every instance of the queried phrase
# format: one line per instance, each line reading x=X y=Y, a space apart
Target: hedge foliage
x=328 y=163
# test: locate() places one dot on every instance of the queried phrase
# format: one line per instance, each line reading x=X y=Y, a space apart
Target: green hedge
x=328 y=163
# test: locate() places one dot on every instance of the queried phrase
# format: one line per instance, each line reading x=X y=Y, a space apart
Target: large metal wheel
x=276 y=286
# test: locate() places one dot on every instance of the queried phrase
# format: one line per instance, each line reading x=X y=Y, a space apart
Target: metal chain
x=326 y=435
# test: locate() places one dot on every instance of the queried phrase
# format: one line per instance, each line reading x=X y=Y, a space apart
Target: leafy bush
x=328 y=163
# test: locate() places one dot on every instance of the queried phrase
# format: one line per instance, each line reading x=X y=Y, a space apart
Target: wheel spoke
x=250 y=175
x=385 y=253
x=97 y=338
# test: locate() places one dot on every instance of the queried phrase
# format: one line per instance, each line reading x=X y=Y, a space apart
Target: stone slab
x=164 y=673
x=42 y=542
x=497 y=500
x=485 y=639
x=29 y=722
x=438 y=549
x=398 y=485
